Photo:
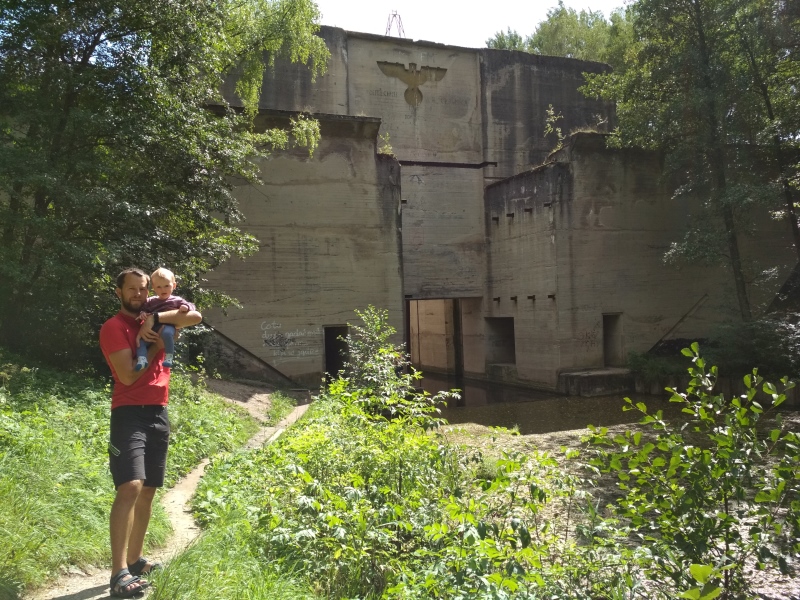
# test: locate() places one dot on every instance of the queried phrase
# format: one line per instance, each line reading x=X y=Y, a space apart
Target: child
x=163 y=282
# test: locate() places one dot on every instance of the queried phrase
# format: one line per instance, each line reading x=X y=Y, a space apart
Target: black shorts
x=138 y=445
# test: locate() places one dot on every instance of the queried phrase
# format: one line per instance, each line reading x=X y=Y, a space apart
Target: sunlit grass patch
x=55 y=488
x=280 y=406
x=226 y=564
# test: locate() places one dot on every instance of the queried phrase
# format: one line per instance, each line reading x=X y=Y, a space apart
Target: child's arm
x=186 y=306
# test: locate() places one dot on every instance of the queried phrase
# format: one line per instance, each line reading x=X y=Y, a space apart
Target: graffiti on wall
x=290 y=344
x=588 y=339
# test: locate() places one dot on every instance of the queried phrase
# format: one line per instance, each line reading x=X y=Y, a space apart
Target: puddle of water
x=538 y=412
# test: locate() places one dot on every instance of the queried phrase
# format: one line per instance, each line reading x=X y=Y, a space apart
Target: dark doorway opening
x=613 y=354
x=500 y=344
x=336 y=352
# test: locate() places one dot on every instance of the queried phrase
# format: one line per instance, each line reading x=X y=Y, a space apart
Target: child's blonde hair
x=163 y=274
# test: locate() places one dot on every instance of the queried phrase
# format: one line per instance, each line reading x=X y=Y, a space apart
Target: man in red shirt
x=139 y=438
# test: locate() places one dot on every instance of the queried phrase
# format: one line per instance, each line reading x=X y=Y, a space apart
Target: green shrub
x=705 y=497
x=378 y=378
x=366 y=498
x=771 y=344
x=652 y=368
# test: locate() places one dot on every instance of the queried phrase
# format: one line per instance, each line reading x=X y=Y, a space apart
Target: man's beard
x=130 y=308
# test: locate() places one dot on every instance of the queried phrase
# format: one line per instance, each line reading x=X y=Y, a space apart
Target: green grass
x=55 y=488
x=224 y=564
x=280 y=406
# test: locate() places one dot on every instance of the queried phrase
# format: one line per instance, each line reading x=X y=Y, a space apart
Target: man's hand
x=146 y=332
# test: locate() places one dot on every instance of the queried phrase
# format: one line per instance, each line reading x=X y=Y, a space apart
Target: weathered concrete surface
x=443 y=241
x=329 y=242
x=453 y=109
x=530 y=271
x=595 y=382
x=587 y=239
x=517 y=88
x=226 y=356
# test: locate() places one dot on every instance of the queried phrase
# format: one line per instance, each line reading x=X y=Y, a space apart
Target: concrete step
x=595 y=382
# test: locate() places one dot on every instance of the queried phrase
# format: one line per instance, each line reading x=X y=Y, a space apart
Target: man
x=139 y=426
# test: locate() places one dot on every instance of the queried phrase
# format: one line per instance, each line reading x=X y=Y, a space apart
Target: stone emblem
x=414 y=78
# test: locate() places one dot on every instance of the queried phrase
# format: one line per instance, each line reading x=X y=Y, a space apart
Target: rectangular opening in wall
x=435 y=335
x=500 y=347
x=335 y=349
x=613 y=353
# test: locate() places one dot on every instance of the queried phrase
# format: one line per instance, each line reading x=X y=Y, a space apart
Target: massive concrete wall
x=329 y=242
x=522 y=281
x=593 y=231
x=455 y=118
x=517 y=89
x=550 y=269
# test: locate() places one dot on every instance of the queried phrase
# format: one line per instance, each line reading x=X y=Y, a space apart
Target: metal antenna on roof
x=393 y=19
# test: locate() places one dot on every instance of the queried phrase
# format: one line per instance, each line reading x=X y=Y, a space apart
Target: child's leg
x=141 y=356
x=167 y=334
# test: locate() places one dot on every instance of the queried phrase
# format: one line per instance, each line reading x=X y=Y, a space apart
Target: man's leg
x=121 y=523
x=141 y=519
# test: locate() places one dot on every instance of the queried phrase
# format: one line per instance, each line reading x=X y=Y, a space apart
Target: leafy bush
x=705 y=497
x=771 y=344
x=653 y=368
x=378 y=378
x=367 y=498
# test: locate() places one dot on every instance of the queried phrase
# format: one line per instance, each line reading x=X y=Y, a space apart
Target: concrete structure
x=495 y=258
x=329 y=242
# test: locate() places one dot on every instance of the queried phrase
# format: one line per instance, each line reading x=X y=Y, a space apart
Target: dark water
x=539 y=412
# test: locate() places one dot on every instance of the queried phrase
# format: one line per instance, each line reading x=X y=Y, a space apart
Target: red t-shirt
x=119 y=333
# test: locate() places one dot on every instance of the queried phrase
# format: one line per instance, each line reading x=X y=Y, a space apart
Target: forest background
x=109 y=157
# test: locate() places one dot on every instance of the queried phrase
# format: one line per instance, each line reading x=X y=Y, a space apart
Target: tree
x=568 y=33
x=511 y=40
x=701 y=77
x=110 y=156
x=585 y=35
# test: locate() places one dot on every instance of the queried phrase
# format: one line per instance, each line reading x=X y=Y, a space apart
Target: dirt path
x=93 y=583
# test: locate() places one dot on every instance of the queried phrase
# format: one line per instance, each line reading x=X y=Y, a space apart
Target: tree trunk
x=736 y=263
x=716 y=155
x=780 y=159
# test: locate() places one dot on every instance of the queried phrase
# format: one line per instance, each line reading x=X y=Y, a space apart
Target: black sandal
x=122 y=580
x=140 y=567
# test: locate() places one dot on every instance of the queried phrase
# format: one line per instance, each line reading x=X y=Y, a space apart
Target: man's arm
x=123 y=362
x=170 y=317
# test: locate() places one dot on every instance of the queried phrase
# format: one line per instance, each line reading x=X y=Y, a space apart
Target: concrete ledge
x=595 y=382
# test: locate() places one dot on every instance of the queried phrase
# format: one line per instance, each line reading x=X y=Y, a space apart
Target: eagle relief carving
x=412 y=77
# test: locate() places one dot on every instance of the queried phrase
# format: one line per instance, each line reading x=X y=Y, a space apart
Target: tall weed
x=224 y=564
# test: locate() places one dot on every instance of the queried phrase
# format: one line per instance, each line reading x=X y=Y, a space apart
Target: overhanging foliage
x=109 y=158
